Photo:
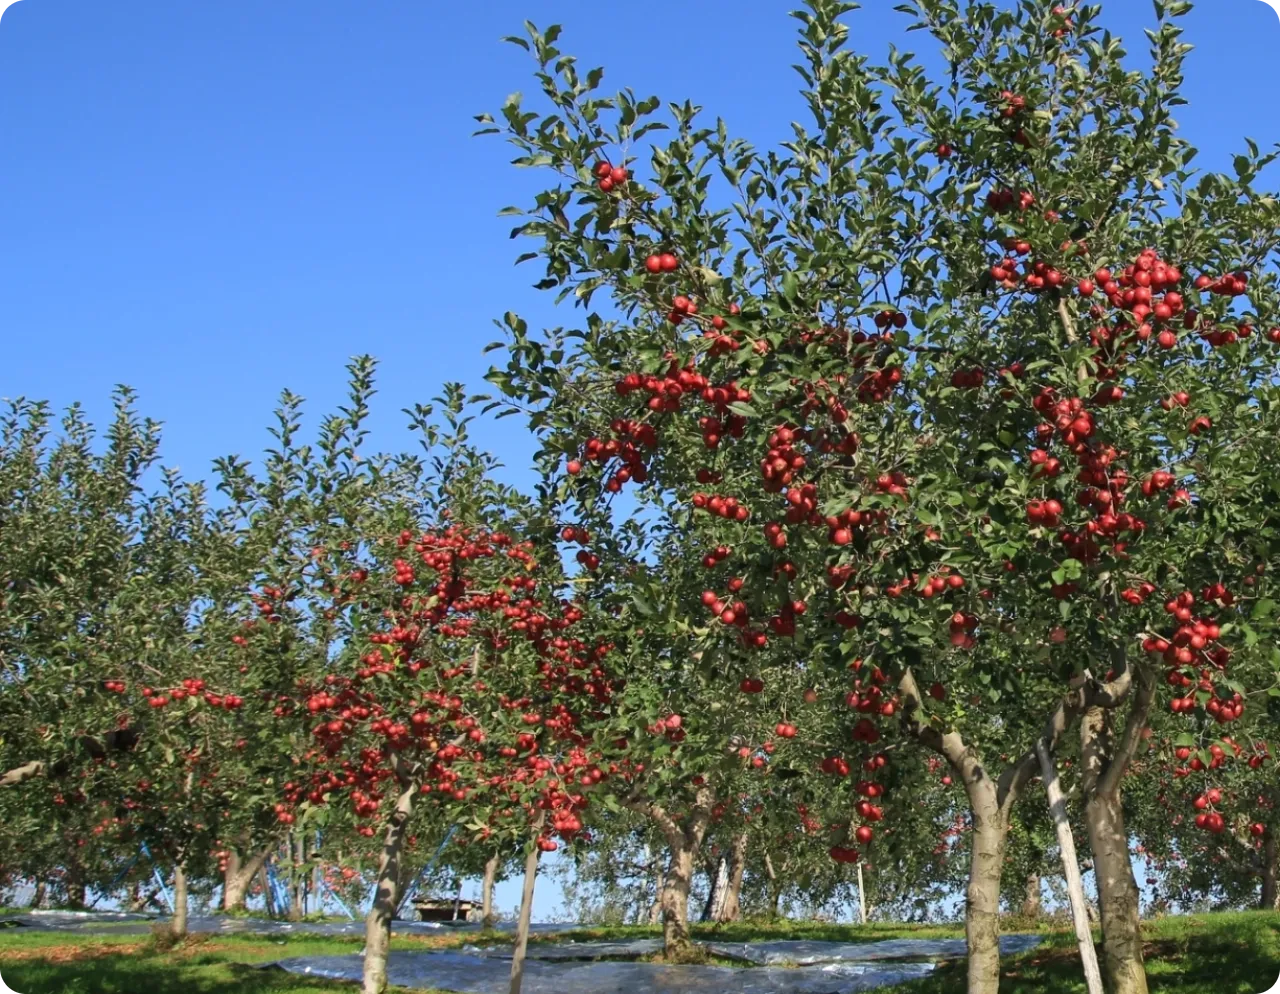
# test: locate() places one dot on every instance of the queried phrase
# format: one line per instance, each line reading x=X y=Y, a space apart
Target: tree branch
x=703 y=803
x=1139 y=711
x=22 y=774
x=666 y=824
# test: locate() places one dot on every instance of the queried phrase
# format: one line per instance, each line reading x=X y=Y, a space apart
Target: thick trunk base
x=236 y=881
x=377 y=930
x=1117 y=896
x=731 y=909
x=526 y=915
x=676 y=945
x=982 y=908
x=487 y=917
x=178 y=928
x=1031 y=905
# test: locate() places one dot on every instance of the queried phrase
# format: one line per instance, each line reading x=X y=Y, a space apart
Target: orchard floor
x=1202 y=954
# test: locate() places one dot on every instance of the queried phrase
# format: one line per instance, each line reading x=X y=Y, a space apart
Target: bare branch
x=22 y=774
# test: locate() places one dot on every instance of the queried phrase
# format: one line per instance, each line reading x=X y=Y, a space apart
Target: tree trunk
x=1031 y=902
x=304 y=874
x=1270 y=870
x=295 y=880
x=179 y=925
x=1071 y=870
x=731 y=910
x=675 y=903
x=862 y=897
x=717 y=881
x=655 y=909
x=1104 y=766
x=142 y=900
x=982 y=909
x=377 y=933
x=775 y=887
x=526 y=910
x=486 y=892
x=75 y=886
x=239 y=875
x=268 y=898
x=229 y=874
x=316 y=878
x=38 y=896
x=1117 y=895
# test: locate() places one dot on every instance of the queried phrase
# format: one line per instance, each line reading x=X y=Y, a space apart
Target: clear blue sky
x=212 y=201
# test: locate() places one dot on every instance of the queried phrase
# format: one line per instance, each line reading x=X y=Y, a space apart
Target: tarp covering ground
x=821 y=967
x=473 y=974
x=775 y=967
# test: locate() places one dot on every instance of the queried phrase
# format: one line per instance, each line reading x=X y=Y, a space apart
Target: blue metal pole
x=123 y=873
x=337 y=900
x=412 y=889
x=278 y=889
x=155 y=871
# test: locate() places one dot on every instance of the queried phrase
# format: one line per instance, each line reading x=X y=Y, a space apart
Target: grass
x=1229 y=953
x=763 y=930
x=1236 y=953
x=61 y=963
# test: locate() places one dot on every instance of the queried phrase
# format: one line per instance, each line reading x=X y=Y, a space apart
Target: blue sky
x=212 y=201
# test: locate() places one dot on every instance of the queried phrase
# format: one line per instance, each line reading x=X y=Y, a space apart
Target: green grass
x=61 y=963
x=765 y=930
x=1232 y=953
x=1235 y=953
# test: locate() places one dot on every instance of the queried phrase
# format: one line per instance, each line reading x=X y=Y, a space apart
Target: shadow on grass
x=1234 y=953
x=202 y=965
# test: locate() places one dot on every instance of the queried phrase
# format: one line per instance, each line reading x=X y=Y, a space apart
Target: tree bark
x=675 y=902
x=683 y=841
x=731 y=910
x=302 y=873
x=295 y=880
x=1113 y=869
x=268 y=898
x=143 y=900
x=862 y=897
x=717 y=883
x=377 y=933
x=486 y=893
x=982 y=911
x=21 y=774
x=655 y=909
x=992 y=799
x=75 y=885
x=526 y=908
x=231 y=871
x=1071 y=870
x=38 y=896
x=316 y=883
x=1031 y=901
x=180 y=902
x=239 y=875
x=775 y=886
x=1270 y=870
